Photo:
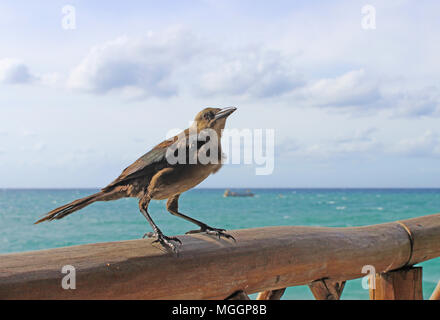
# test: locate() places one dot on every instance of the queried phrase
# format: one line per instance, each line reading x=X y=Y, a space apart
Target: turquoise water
x=121 y=220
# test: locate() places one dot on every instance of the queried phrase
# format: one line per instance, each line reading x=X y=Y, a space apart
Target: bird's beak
x=224 y=113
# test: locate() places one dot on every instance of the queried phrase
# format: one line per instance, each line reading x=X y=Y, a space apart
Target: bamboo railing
x=264 y=260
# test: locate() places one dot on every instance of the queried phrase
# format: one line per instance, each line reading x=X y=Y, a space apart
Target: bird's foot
x=214 y=231
x=164 y=240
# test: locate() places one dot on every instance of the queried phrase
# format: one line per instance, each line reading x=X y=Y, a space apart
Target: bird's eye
x=209 y=115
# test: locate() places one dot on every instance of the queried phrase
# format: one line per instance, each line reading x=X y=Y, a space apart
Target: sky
x=353 y=95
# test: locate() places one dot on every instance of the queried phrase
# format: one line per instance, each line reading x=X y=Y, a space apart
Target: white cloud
x=365 y=143
x=137 y=66
x=358 y=143
x=252 y=72
x=360 y=92
x=13 y=71
x=351 y=89
x=427 y=145
x=416 y=103
x=173 y=61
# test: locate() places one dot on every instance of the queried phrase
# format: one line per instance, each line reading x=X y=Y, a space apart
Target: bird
x=157 y=175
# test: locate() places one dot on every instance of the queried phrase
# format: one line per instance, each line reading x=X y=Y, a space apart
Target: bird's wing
x=156 y=158
x=143 y=164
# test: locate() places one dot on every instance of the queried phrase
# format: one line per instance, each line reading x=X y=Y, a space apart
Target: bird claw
x=219 y=233
x=165 y=241
x=213 y=231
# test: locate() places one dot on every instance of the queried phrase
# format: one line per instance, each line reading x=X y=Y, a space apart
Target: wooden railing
x=265 y=260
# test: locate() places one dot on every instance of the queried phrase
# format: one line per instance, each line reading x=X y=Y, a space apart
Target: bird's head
x=213 y=118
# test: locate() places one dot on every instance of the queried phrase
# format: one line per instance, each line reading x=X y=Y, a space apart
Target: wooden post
x=402 y=284
x=436 y=294
x=271 y=294
x=326 y=289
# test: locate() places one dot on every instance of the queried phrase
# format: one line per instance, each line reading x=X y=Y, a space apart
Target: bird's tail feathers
x=71 y=207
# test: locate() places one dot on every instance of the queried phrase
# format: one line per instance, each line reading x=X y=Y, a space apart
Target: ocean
x=121 y=219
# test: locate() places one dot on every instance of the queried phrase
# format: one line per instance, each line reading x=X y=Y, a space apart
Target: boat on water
x=229 y=193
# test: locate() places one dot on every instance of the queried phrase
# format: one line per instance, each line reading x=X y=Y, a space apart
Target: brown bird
x=157 y=175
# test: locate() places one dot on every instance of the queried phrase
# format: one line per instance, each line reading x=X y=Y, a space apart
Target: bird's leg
x=172 y=207
x=161 y=238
